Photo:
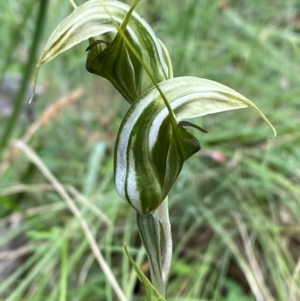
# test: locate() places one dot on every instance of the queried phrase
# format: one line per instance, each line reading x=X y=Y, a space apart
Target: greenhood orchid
x=152 y=142
x=106 y=24
x=118 y=62
x=151 y=146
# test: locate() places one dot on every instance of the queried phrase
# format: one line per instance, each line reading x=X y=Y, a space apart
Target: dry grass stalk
x=259 y=287
x=35 y=159
x=47 y=116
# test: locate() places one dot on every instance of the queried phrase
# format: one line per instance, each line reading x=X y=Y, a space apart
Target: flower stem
x=166 y=237
x=155 y=232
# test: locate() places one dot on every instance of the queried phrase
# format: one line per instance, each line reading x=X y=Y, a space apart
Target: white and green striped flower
x=110 y=26
x=151 y=148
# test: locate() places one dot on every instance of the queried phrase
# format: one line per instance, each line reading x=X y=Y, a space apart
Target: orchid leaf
x=150 y=150
x=151 y=293
x=150 y=233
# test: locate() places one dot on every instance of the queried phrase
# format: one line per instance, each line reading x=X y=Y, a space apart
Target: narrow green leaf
x=151 y=292
x=150 y=233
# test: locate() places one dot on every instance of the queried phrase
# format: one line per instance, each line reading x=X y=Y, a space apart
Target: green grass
x=235 y=222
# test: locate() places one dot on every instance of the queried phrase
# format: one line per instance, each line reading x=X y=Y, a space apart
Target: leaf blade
x=151 y=292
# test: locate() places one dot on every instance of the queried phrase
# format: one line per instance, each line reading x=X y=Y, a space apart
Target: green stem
x=64 y=271
x=28 y=67
x=149 y=229
x=166 y=237
x=73 y=4
x=15 y=38
x=155 y=232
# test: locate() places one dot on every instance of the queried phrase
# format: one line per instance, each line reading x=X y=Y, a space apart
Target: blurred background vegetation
x=235 y=209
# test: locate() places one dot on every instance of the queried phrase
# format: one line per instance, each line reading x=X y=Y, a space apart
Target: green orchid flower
x=120 y=65
x=152 y=144
x=106 y=24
